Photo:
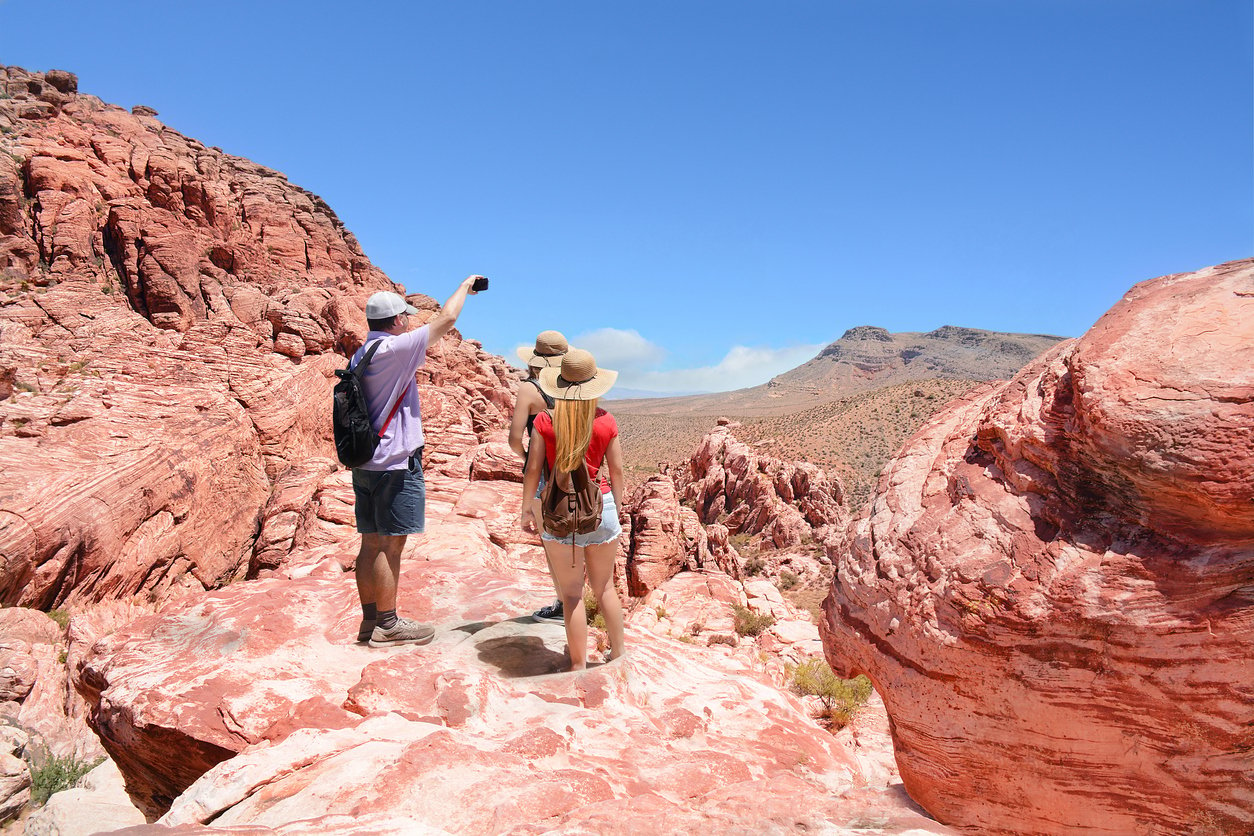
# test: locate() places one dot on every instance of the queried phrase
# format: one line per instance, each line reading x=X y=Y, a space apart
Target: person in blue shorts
x=389 y=491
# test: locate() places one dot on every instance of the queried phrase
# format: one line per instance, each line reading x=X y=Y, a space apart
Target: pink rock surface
x=35 y=691
x=1051 y=589
x=253 y=706
x=170 y=319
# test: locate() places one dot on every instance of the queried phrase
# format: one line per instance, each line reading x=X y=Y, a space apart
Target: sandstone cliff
x=170 y=317
x=1052 y=588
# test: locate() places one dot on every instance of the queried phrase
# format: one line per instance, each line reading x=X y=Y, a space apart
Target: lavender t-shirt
x=391 y=369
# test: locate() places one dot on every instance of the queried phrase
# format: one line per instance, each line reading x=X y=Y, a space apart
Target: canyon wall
x=170 y=319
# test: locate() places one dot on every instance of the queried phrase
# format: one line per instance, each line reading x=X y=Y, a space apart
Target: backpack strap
x=549 y=400
x=360 y=370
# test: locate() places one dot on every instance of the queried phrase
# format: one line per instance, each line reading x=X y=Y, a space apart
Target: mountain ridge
x=866 y=357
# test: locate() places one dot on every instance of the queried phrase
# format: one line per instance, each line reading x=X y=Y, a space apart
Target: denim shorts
x=605 y=532
x=392 y=502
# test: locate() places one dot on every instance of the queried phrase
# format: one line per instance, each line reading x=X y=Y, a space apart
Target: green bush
x=841 y=698
x=750 y=623
x=788 y=580
x=55 y=774
x=754 y=566
x=61 y=617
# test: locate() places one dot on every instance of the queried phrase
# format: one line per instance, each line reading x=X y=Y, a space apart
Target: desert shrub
x=754 y=566
x=593 y=610
x=661 y=612
x=54 y=774
x=841 y=698
x=721 y=638
x=750 y=623
x=61 y=617
x=788 y=580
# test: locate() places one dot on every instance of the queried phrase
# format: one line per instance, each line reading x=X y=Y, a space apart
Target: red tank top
x=604 y=429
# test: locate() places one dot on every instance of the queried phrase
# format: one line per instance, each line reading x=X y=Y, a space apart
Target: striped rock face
x=1054 y=587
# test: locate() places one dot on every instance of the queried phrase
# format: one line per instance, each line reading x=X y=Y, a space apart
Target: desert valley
x=1038 y=551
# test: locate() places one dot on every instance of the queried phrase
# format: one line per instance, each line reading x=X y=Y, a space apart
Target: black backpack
x=355 y=438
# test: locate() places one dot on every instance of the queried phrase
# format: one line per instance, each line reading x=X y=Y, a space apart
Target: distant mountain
x=868 y=357
x=863 y=359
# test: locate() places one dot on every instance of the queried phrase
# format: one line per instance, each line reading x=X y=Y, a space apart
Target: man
x=389 y=490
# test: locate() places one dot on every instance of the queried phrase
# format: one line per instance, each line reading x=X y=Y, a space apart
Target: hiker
x=389 y=490
x=579 y=432
x=550 y=348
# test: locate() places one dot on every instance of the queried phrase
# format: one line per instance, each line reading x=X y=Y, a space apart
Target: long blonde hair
x=572 y=425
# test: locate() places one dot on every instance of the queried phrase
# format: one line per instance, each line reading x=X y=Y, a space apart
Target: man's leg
x=379 y=569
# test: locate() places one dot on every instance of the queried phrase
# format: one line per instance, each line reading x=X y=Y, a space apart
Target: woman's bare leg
x=600 y=560
x=569 y=581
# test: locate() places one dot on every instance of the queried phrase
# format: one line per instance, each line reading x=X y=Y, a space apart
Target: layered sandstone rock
x=170 y=319
x=668 y=538
x=254 y=707
x=35 y=691
x=1052 y=588
x=780 y=503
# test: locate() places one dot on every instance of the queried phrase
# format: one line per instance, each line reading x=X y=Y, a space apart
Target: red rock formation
x=783 y=503
x=667 y=538
x=262 y=679
x=170 y=318
x=1052 y=588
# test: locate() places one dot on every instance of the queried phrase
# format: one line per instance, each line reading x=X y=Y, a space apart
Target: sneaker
x=365 y=630
x=552 y=614
x=404 y=631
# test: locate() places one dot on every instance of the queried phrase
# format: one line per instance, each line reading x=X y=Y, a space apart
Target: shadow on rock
x=520 y=656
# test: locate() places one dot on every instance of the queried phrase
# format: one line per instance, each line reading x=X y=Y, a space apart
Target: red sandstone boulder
x=1051 y=589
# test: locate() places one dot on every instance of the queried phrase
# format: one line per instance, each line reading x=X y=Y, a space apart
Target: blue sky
x=705 y=193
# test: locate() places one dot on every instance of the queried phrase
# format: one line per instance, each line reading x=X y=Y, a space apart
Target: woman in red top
x=577 y=432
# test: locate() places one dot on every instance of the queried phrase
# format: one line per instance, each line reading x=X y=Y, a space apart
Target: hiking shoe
x=404 y=631
x=365 y=630
x=552 y=614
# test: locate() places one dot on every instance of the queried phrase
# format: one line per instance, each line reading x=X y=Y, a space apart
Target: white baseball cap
x=385 y=305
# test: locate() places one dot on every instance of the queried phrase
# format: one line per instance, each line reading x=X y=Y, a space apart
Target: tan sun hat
x=551 y=346
x=578 y=378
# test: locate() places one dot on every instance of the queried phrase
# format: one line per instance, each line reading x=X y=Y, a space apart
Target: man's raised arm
x=452 y=309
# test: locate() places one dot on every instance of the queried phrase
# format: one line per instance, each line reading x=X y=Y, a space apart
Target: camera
x=480 y=284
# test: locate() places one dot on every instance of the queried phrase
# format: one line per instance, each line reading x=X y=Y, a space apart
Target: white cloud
x=742 y=366
x=625 y=351
x=636 y=359
x=614 y=348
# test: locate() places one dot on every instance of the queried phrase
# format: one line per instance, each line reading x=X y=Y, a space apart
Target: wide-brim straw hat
x=577 y=379
x=550 y=348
